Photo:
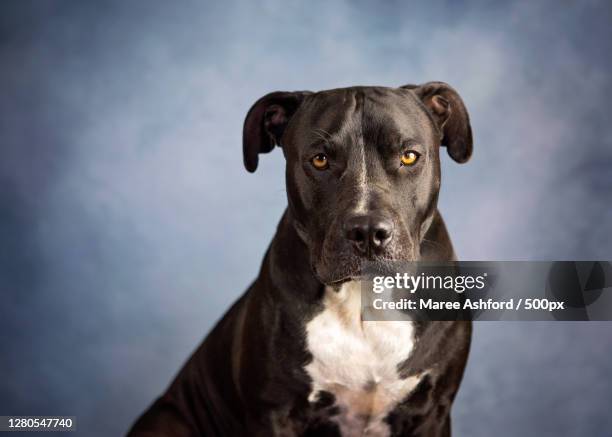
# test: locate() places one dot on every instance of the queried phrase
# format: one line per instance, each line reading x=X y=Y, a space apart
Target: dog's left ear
x=265 y=124
x=450 y=115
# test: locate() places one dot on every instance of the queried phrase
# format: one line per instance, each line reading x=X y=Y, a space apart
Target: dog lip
x=339 y=282
x=343 y=280
x=335 y=282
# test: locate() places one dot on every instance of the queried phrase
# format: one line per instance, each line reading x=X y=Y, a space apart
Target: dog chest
x=357 y=362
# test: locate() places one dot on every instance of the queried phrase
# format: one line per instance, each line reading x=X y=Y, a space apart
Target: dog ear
x=452 y=119
x=265 y=123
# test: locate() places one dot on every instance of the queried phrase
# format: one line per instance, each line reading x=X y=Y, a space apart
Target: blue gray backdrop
x=128 y=224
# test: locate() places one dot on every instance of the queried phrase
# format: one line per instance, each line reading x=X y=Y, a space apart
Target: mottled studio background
x=128 y=224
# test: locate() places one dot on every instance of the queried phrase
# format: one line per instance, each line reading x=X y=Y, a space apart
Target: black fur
x=247 y=378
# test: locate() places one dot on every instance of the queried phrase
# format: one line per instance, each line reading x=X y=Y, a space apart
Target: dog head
x=362 y=167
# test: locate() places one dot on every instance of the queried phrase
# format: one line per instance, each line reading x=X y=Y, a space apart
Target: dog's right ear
x=265 y=123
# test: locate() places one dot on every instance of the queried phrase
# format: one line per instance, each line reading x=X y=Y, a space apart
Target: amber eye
x=409 y=157
x=320 y=161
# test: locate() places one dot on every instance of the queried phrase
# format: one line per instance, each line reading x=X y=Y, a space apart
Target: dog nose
x=369 y=233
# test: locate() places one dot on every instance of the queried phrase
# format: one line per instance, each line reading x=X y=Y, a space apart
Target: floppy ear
x=265 y=123
x=450 y=115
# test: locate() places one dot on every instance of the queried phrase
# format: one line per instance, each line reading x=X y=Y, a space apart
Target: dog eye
x=409 y=157
x=320 y=161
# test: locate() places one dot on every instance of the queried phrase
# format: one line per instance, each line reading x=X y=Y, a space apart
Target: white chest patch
x=357 y=362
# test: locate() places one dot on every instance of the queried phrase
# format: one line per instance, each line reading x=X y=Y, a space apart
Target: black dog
x=292 y=357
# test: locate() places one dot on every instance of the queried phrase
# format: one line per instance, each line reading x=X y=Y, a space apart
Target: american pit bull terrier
x=292 y=357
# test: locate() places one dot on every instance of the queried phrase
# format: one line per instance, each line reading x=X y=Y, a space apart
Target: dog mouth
x=336 y=279
x=335 y=263
x=339 y=282
x=353 y=271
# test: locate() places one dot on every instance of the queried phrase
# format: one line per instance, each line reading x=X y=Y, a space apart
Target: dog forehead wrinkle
x=330 y=119
x=359 y=154
x=361 y=182
x=393 y=118
x=339 y=123
x=367 y=114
